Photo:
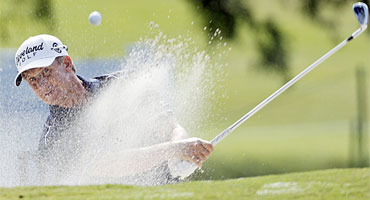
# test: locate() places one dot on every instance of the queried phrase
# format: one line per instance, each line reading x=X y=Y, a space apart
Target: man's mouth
x=48 y=93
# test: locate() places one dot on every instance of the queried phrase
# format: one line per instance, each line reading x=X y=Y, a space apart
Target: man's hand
x=194 y=150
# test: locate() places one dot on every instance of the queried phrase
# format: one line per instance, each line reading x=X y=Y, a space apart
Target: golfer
x=43 y=62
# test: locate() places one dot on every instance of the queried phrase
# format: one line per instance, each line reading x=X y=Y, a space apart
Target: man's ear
x=67 y=61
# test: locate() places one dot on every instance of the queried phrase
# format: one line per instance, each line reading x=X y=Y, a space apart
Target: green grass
x=335 y=184
x=256 y=150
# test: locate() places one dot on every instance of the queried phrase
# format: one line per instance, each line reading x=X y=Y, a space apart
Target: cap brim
x=45 y=62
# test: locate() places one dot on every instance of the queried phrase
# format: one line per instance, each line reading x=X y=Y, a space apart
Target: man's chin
x=51 y=101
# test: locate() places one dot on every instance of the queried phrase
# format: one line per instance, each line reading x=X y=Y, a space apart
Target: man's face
x=51 y=84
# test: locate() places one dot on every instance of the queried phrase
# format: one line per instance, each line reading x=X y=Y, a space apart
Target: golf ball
x=95 y=18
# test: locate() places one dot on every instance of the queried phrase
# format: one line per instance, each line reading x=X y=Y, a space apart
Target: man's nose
x=42 y=81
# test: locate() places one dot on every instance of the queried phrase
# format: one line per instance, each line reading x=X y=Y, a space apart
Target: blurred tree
x=313 y=7
x=272 y=48
x=272 y=44
x=43 y=11
x=12 y=10
x=7 y=14
x=223 y=14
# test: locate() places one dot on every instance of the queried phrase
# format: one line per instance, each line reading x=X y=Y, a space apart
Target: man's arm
x=131 y=162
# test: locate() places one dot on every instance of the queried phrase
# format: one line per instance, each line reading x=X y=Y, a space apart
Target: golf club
x=184 y=169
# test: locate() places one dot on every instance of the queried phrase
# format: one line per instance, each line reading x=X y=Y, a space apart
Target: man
x=43 y=62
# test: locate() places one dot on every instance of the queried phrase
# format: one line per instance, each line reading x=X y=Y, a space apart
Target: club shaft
x=227 y=131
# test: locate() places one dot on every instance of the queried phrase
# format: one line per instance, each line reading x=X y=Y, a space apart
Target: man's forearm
x=131 y=162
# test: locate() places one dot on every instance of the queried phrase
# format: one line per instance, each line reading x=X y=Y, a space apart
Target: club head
x=362 y=13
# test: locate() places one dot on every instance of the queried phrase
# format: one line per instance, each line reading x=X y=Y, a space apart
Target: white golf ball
x=95 y=18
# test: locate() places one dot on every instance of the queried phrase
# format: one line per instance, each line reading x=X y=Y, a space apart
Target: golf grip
x=183 y=169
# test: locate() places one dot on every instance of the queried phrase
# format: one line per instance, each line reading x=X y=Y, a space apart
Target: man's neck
x=77 y=94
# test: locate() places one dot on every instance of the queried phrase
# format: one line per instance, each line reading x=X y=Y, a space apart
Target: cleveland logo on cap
x=24 y=54
x=37 y=51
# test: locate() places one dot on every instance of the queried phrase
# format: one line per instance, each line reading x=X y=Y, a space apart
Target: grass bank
x=335 y=184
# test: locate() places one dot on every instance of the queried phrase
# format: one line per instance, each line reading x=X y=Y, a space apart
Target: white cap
x=38 y=51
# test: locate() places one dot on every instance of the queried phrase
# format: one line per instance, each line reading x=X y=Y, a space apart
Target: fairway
x=332 y=184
